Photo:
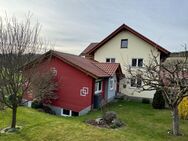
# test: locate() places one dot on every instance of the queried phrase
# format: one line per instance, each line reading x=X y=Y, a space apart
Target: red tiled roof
x=92 y=68
x=91 y=49
x=109 y=68
x=91 y=46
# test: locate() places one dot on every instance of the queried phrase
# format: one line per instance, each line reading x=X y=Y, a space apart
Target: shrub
x=36 y=104
x=109 y=117
x=158 y=100
x=145 y=101
x=183 y=108
x=48 y=110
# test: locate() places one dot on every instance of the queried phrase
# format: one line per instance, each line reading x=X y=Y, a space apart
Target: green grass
x=143 y=124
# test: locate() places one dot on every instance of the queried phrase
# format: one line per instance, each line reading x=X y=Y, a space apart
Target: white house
x=129 y=48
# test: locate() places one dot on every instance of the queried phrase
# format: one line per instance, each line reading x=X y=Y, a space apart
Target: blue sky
x=72 y=24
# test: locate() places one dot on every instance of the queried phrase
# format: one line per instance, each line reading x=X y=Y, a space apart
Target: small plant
x=183 y=108
x=158 y=100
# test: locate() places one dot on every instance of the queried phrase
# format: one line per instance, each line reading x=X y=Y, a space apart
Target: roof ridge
x=88 y=66
x=73 y=62
x=90 y=61
x=55 y=51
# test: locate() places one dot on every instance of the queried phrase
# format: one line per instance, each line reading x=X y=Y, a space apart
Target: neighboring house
x=82 y=83
x=178 y=55
x=131 y=49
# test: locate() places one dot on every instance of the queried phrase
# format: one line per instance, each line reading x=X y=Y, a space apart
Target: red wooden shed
x=82 y=83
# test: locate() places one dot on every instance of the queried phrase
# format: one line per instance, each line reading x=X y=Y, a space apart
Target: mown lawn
x=143 y=124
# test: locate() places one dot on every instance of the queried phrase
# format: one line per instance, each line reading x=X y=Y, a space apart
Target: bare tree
x=43 y=87
x=171 y=77
x=19 y=43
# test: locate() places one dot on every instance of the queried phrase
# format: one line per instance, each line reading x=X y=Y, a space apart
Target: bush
x=48 y=110
x=145 y=101
x=183 y=108
x=109 y=117
x=158 y=100
x=36 y=104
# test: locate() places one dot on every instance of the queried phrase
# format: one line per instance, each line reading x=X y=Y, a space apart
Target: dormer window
x=124 y=43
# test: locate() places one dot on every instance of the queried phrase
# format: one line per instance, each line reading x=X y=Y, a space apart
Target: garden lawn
x=142 y=124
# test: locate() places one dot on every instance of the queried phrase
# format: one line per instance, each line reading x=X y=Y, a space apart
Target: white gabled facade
x=137 y=50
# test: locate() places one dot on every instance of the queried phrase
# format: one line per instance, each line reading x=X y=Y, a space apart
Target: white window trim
x=98 y=91
x=122 y=41
x=137 y=62
x=111 y=79
x=70 y=113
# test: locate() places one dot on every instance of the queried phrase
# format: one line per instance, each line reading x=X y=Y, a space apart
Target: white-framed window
x=111 y=83
x=137 y=62
x=65 y=112
x=124 y=43
x=98 y=86
x=110 y=60
x=136 y=82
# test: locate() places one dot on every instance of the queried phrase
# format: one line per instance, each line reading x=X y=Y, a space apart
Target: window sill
x=135 y=87
x=131 y=87
x=98 y=92
x=136 y=67
x=111 y=89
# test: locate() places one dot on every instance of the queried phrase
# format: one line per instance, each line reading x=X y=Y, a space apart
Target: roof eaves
x=75 y=66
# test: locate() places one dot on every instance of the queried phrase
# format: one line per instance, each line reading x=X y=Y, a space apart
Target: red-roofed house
x=82 y=83
x=131 y=49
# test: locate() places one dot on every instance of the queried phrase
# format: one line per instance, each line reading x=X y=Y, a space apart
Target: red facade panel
x=74 y=87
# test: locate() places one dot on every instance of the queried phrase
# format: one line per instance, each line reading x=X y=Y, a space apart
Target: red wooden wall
x=70 y=82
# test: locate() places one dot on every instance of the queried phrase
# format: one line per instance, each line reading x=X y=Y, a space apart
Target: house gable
x=70 y=82
x=137 y=48
x=91 y=49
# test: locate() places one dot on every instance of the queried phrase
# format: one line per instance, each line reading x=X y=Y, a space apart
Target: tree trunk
x=175 y=122
x=14 y=111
